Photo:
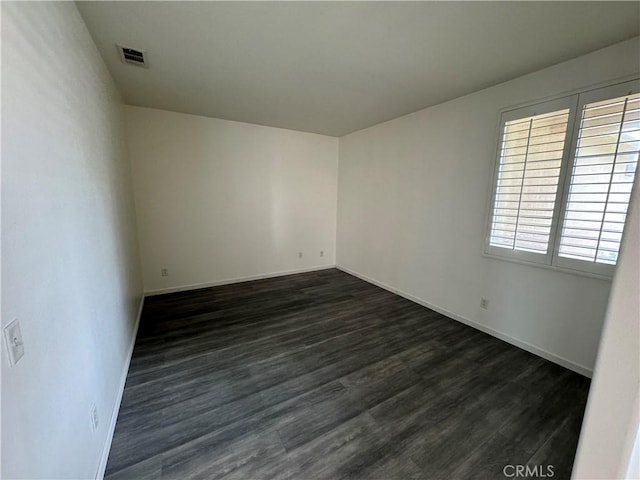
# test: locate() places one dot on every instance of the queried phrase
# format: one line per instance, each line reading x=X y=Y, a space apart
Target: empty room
x=320 y=240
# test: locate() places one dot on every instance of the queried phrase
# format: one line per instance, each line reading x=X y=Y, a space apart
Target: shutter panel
x=531 y=152
x=605 y=163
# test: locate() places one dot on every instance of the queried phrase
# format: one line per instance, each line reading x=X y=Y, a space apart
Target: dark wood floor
x=322 y=375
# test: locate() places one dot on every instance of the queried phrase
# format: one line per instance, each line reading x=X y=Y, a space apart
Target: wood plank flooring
x=323 y=376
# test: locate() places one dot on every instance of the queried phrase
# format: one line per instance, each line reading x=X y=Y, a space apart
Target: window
x=563 y=180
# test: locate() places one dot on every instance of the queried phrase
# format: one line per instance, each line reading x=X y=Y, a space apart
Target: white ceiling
x=337 y=67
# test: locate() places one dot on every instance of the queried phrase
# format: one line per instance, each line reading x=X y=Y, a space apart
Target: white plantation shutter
x=606 y=159
x=563 y=179
x=531 y=152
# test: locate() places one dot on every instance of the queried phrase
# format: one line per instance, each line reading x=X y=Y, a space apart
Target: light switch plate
x=13 y=340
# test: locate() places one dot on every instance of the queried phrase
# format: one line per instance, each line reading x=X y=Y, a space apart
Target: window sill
x=555 y=268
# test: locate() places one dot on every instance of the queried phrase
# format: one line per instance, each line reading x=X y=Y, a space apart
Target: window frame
x=563 y=103
x=575 y=102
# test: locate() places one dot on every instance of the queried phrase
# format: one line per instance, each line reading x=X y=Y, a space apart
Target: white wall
x=69 y=257
x=219 y=200
x=610 y=428
x=412 y=204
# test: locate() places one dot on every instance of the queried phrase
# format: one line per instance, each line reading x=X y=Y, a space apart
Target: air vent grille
x=133 y=56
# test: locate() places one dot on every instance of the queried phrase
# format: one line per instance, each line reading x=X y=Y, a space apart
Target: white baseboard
x=581 y=369
x=116 y=407
x=195 y=286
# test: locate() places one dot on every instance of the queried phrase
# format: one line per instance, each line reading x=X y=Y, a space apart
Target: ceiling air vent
x=134 y=56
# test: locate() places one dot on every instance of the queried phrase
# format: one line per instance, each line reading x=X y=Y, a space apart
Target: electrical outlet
x=13 y=339
x=322 y=253
x=484 y=303
x=93 y=415
x=299 y=254
x=164 y=272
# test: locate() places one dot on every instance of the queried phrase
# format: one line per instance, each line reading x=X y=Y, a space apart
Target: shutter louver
x=531 y=153
x=601 y=181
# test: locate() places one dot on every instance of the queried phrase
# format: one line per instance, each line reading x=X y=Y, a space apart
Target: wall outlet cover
x=13 y=340
x=94 y=418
